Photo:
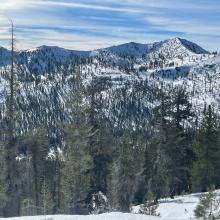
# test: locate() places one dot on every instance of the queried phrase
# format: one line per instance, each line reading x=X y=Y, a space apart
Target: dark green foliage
x=207 y=149
x=2 y=183
x=75 y=178
x=112 y=144
x=101 y=142
x=37 y=149
x=156 y=165
x=77 y=160
x=208 y=207
x=150 y=205
x=123 y=175
x=168 y=155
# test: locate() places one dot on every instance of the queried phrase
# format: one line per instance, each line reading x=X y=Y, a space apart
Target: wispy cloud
x=89 y=24
x=84 y=6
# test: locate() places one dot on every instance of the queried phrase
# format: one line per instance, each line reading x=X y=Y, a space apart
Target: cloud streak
x=89 y=24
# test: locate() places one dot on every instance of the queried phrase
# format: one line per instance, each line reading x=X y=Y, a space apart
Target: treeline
x=96 y=168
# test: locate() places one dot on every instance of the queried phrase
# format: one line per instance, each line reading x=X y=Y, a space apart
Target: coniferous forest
x=106 y=154
x=109 y=110
x=103 y=131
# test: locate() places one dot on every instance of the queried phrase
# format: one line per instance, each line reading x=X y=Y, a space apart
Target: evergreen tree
x=101 y=142
x=76 y=182
x=156 y=169
x=77 y=159
x=168 y=155
x=123 y=176
x=150 y=205
x=208 y=207
x=207 y=150
x=179 y=142
x=37 y=147
x=2 y=183
x=54 y=177
x=156 y=158
x=181 y=107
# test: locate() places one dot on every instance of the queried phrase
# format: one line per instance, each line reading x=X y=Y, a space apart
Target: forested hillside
x=98 y=131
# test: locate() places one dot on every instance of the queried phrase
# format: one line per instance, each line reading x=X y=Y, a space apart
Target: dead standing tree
x=11 y=178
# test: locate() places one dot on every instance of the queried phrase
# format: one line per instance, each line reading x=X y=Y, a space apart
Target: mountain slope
x=43 y=56
x=131 y=74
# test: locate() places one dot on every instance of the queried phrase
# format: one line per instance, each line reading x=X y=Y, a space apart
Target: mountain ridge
x=44 y=77
x=197 y=49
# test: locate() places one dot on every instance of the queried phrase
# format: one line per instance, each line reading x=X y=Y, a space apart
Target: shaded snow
x=108 y=216
x=44 y=84
x=179 y=208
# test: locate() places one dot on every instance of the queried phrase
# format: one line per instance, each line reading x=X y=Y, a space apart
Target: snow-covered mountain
x=129 y=75
x=172 y=48
x=42 y=57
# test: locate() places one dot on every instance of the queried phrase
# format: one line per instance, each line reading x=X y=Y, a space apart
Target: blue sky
x=90 y=24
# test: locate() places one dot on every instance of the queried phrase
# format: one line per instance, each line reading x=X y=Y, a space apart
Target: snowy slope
x=180 y=208
x=44 y=79
x=108 y=216
x=175 y=48
x=172 y=47
x=4 y=56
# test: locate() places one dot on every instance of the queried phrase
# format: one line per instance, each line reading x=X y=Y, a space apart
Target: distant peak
x=44 y=47
x=175 y=39
x=193 y=47
x=3 y=48
x=134 y=43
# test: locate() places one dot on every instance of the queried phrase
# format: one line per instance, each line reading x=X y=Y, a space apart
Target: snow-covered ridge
x=44 y=78
x=132 y=48
x=174 y=45
x=171 y=48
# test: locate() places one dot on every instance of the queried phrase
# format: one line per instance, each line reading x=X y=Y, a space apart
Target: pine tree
x=209 y=206
x=156 y=164
x=54 y=178
x=123 y=176
x=76 y=182
x=180 y=147
x=168 y=155
x=101 y=142
x=207 y=150
x=37 y=150
x=156 y=155
x=77 y=159
x=150 y=205
x=181 y=112
x=179 y=142
x=2 y=184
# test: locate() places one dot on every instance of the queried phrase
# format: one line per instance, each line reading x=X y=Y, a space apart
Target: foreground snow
x=180 y=208
x=107 y=216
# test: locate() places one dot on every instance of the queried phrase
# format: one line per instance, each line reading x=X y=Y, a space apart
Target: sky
x=92 y=24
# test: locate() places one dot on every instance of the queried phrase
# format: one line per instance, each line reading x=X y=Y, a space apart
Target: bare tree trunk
x=12 y=207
